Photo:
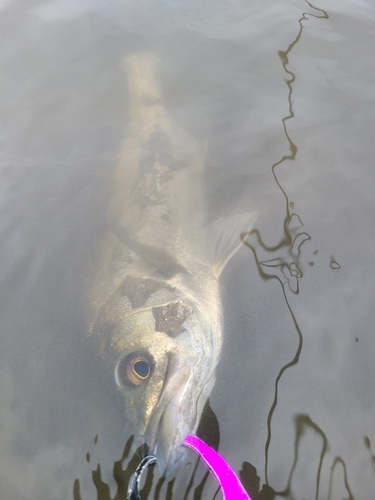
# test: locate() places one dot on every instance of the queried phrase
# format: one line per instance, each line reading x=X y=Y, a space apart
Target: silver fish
x=155 y=308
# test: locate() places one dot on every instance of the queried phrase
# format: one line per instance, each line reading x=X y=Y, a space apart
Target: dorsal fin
x=224 y=238
x=166 y=264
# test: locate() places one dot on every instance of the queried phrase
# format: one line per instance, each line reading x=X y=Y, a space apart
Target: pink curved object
x=231 y=486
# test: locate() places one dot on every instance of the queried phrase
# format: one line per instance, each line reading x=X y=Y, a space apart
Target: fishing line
x=231 y=487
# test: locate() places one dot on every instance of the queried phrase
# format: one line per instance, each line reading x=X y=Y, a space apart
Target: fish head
x=164 y=381
x=164 y=355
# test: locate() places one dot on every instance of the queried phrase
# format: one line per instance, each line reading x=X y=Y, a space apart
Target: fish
x=154 y=307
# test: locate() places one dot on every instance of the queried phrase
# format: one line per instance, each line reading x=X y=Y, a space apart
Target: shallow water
x=283 y=93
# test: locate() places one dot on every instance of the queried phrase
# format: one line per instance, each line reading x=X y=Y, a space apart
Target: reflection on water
x=162 y=487
x=191 y=485
x=281 y=262
x=287 y=269
x=339 y=461
x=368 y=446
x=294 y=396
x=302 y=424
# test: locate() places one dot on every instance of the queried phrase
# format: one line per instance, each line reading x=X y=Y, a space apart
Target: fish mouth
x=174 y=417
x=166 y=441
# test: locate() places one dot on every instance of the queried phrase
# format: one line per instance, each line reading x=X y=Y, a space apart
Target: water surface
x=283 y=95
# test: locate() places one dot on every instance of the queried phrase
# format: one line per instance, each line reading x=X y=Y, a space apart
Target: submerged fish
x=156 y=313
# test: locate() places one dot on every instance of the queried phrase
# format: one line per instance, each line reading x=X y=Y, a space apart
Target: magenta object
x=231 y=486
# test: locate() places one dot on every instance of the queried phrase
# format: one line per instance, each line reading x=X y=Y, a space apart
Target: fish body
x=155 y=308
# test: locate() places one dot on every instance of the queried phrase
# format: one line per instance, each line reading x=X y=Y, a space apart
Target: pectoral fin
x=224 y=238
x=166 y=264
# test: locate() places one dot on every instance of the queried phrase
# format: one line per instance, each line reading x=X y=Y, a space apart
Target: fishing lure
x=231 y=486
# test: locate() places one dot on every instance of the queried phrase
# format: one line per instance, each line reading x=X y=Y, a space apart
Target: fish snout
x=174 y=417
x=175 y=425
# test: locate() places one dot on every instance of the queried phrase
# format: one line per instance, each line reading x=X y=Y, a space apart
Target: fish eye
x=141 y=368
x=134 y=369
